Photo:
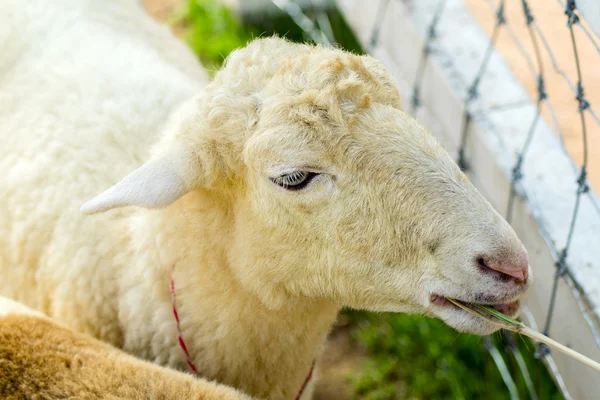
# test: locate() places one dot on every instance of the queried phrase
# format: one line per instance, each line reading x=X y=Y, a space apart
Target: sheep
x=291 y=185
x=43 y=360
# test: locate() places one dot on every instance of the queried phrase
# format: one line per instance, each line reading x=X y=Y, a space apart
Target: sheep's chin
x=467 y=323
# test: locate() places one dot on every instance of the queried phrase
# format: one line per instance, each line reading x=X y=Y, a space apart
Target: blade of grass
x=498 y=314
x=479 y=314
x=497 y=318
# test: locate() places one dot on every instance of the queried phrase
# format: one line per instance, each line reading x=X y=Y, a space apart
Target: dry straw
x=505 y=322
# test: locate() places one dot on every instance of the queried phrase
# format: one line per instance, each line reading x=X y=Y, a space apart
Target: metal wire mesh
x=539 y=73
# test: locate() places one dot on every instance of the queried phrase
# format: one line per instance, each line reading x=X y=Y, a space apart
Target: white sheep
x=290 y=186
x=40 y=359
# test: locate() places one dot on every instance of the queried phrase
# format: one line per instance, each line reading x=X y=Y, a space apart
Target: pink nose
x=516 y=267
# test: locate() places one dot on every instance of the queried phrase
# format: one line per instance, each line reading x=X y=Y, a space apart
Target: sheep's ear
x=158 y=183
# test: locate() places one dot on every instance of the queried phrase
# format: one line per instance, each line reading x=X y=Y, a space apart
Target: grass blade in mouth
x=498 y=314
x=504 y=321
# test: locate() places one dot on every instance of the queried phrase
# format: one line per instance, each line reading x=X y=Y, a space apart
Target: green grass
x=410 y=356
x=212 y=31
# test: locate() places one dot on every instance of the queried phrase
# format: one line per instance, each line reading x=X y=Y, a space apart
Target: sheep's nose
x=516 y=266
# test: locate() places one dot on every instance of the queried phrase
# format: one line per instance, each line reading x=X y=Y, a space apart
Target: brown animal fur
x=42 y=360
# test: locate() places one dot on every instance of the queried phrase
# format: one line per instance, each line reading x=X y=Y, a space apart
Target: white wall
x=590 y=9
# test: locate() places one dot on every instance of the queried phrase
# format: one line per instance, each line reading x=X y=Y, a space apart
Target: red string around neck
x=308 y=377
x=181 y=342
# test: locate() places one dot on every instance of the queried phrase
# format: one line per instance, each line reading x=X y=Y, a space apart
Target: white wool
x=11 y=307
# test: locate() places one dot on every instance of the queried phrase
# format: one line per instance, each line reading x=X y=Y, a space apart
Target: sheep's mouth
x=511 y=308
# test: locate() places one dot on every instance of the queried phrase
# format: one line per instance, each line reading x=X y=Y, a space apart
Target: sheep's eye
x=294 y=181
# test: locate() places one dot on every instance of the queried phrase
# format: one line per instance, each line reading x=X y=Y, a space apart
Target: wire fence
x=539 y=73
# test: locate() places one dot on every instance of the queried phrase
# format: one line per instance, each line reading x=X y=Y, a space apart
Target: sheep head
x=336 y=193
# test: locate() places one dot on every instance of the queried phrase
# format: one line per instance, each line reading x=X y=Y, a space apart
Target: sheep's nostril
x=517 y=269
